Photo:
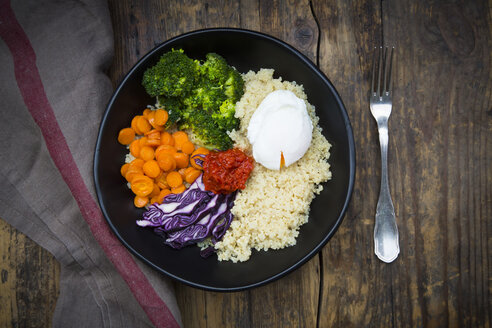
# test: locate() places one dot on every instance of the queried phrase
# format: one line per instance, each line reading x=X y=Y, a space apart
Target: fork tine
x=389 y=69
x=385 y=69
x=379 y=70
x=373 y=91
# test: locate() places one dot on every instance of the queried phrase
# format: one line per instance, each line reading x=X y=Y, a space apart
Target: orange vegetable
x=192 y=175
x=124 y=169
x=187 y=147
x=140 y=201
x=146 y=112
x=174 y=179
x=181 y=160
x=155 y=191
x=163 y=193
x=134 y=125
x=147 y=153
x=153 y=134
x=167 y=138
x=135 y=148
x=178 y=190
x=164 y=149
x=126 y=136
x=142 y=142
x=182 y=172
x=151 y=169
x=161 y=117
x=143 y=124
x=180 y=137
x=161 y=181
x=142 y=186
x=195 y=155
x=154 y=142
x=166 y=162
x=137 y=162
x=154 y=138
x=132 y=173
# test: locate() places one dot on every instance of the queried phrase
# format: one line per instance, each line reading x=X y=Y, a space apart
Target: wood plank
x=447 y=184
x=354 y=284
x=439 y=162
x=29 y=281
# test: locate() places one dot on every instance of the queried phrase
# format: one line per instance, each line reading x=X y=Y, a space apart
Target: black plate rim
x=351 y=146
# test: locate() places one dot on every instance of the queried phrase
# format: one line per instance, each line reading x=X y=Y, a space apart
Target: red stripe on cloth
x=32 y=90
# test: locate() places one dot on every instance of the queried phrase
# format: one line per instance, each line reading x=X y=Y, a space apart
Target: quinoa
x=270 y=210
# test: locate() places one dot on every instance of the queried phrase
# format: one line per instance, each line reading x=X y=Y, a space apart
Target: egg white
x=280 y=125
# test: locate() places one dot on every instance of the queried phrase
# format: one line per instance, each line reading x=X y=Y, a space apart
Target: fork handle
x=386 y=244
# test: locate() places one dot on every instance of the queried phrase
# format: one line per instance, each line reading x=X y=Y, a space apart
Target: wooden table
x=440 y=163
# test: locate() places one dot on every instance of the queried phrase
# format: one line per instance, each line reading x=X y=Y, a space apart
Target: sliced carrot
x=163 y=193
x=182 y=172
x=126 y=136
x=124 y=169
x=161 y=181
x=135 y=148
x=192 y=175
x=143 y=124
x=146 y=112
x=178 y=190
x=151 y=169
x=134 y=125
x=155 y=199
x=166 y=162
x=142 y=186
x=197 y=155
x=153 y=134
x=155 y=191
x=161 y=117
x=142 y=142
x=181 y=159
x=180 y=137
x=174 y=179
x=147 y=153
x=167 y=138
x=165 y=149
x=137 y=162
x=132 y=173
x=140 y=201
x=153 y=123
x=154 y=142
x=188 y=169
x=187 y=147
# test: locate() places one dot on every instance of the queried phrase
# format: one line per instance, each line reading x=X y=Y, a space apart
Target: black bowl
x=245 y=50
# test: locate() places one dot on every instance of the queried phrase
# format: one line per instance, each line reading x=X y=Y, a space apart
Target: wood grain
x=439 y=161
x=29 y=281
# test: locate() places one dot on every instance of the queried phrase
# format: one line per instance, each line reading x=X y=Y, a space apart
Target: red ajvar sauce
x=226 y=171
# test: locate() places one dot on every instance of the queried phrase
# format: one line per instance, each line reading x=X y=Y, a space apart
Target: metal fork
x=386 y=244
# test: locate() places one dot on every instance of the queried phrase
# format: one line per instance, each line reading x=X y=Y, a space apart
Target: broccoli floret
x=225 y=116
x=206 y=129
x=173 y=76
x=206 y=96
x=215 y=69
x=234 y=86
x=223 y=76
x=198 y=97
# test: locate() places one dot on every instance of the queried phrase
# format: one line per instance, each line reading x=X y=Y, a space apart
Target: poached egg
x=280 y=130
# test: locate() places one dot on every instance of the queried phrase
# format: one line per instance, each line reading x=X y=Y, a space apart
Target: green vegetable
x=200 y=97
x=173 y=76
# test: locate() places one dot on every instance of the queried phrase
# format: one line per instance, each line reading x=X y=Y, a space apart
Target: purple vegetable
x=191 y=216
x=200 y=230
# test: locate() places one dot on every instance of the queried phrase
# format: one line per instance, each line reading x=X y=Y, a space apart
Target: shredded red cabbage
x=190 y=217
